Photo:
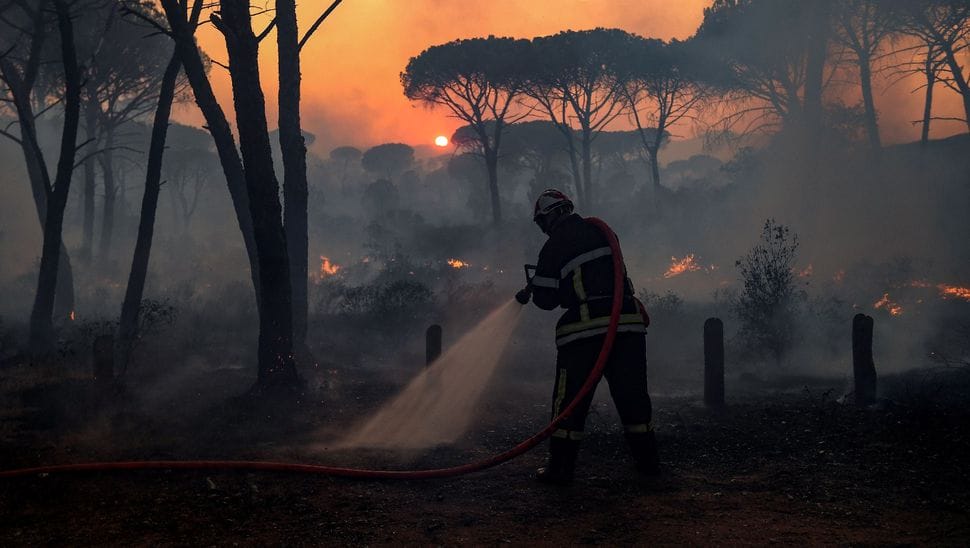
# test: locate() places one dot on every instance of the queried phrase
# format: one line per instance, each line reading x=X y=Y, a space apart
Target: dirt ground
x=790 y=466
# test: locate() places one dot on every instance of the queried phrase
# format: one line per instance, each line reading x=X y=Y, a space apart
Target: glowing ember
x=806 y=272
x=327 y=268
x=839 y=276
x=954 y=291
x=919 y=283
x=892 y=307
x=458 y=263
x=679 y=266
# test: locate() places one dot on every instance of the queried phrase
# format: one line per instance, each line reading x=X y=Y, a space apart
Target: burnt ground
x=782 y=463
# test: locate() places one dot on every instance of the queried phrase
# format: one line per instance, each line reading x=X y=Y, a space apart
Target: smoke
x=439 y=405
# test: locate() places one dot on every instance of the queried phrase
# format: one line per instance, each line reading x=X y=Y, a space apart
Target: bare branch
x=11 y=136
x=318 y=22
x=269 y=28
x=126 y=10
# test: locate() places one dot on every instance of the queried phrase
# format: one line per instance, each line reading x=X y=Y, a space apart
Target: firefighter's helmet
x=550 y=200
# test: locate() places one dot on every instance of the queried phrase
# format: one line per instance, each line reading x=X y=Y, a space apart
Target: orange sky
x=351 y=91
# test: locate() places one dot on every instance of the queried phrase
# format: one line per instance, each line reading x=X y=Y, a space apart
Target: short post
x=714 y=362
x=863 y=367
x=432 y=344
x=103 y=359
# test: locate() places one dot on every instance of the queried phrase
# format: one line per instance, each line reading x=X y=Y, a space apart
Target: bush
x=390 y=301
x=767 y=304
x=667 y=305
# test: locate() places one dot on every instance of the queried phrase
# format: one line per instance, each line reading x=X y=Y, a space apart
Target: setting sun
x=441 y=141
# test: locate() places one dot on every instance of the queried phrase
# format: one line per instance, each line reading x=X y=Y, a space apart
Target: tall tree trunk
x=577 y=174
x=87 y=233
x=587 y=149
x=218 y=127
x=110 y=196
x=293 y=150
x=41 y=326
x=815 y=69
x=810 y=115
x=491 y=167
x=930 y=73
x=652 y=153
x=872 y=126
x=956 y=72
x=128 y=324
x=39 y=178
x=276 y=364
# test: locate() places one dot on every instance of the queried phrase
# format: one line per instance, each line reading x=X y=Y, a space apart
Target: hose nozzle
x=525 y=293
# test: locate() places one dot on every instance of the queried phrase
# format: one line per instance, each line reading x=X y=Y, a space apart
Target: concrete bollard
x=432 y=344
x=103 y=359
x=713 y=362
x=863 y=367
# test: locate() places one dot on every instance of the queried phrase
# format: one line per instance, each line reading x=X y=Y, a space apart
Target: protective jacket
x=575 y=271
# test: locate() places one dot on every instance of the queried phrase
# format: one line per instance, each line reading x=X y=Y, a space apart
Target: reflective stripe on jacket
x=575 y=271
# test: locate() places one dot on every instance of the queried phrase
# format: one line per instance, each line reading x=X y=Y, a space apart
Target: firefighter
x=575 y=271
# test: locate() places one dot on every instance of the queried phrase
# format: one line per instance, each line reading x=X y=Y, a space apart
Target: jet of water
x=439 y=405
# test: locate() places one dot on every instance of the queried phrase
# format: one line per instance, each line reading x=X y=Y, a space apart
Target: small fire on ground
x=954 y=291
x=679 y=266
x=893 y=307
x=327 y=268
x=458 y=264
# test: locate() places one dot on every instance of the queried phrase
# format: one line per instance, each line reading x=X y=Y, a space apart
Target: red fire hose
x=524 y=446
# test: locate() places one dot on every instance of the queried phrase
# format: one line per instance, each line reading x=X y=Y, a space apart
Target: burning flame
x=327 y=268
x=458 y=263
x=893 y=307
x=954 y=291
x=71 y=315
x=679 y=266
x=806 y=272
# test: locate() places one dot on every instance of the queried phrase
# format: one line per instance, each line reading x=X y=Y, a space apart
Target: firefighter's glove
x=524 y=295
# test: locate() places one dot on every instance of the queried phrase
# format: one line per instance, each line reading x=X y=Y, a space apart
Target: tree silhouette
x=478 y=80
x=27 y=37
x=41 y=315
x=39 y=63
x=944 y=26
x=759 y=50
x=573 y=78
x=861 y=26
x=388 y=159
x=537 y=147
x=248 y=169
x=182 y=23
x=122 y=74
x=131 y=307
x=660 y=87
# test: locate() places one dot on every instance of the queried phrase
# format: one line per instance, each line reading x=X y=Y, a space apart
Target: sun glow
x=441 y=141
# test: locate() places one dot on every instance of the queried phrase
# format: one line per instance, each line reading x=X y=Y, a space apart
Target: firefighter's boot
x=643 y=445
x=562 y=461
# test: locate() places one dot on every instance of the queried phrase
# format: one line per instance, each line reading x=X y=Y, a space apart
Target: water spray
x=269 y=466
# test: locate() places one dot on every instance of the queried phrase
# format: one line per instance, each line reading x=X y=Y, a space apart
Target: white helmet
x=550 y=200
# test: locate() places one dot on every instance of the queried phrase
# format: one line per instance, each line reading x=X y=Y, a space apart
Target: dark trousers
x=626 y=373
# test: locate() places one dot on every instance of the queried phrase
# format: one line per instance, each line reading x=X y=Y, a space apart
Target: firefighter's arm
x=545 y=284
